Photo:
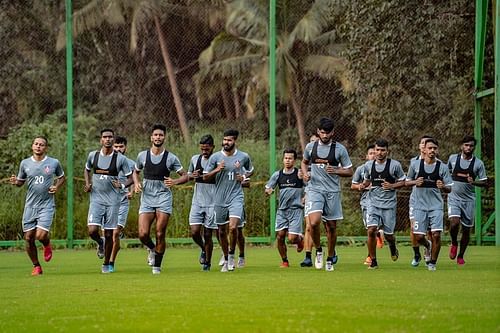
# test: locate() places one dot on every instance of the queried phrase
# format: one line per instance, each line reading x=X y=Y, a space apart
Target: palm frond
x=247 y=19
x=328 y=67
x=315 y=21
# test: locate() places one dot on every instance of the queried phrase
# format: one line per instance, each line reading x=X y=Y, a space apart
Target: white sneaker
x=241 y=262
x=224 y=267
x=329 y=266
x=427 y=253
x=151 y=257
x=222 y=260
x=318 y=263
x=431 y=267
x=156 y=270
x=230 y=262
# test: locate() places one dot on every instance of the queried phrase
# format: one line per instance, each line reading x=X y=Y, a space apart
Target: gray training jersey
x=123 y=179
x=203 y=195
x=357 y=178
x=320 y=180
x=289 y=197
x=428 y=199
x=464 y=191
x=155 y=191
x=103 y=192
x=411 y=201
x=227 y=188
x=39 y=176
x=378 y=196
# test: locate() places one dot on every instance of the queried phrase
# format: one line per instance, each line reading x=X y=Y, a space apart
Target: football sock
x=308 y=254
x=158 y=259
x=319 y=249
x=416 y=251
x=150 y=244
x=231 y=252
x=284 y=259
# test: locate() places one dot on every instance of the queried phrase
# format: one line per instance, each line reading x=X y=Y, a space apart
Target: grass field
x=73 y=296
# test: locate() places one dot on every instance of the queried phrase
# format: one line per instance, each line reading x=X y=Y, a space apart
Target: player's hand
x=137 y=187
x=13 y=180
x=439 y=184
x=130 y=194
x=169 y=182
x=240 y=178
x=52 y=189
x=419 y=181
x=470 y=180
x=269 y=191
x=87 y=188
x=306 y=176
x=196 y=174
x=220 y=165
x=330 y=169
x=361 y=187
x=386 y=185
x=116 y=184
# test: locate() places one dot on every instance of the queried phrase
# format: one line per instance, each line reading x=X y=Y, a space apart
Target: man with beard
x=156 y=198
x=101 y=180
x=467 y=171
x=430 y=176
x=201 y=216
x=383 y=175
x=39 y=171
x=230 y=167
x=329 y=161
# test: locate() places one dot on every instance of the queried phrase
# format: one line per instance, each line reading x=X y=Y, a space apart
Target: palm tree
x=142 y=13
x=306 y=46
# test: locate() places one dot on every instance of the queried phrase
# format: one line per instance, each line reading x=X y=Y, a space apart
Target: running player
x=230 y=167
x=290 y=211
x=39 y=171
x=383 y=176
x=156 y=197
x=430 y=176
x=101 y=180
x=329 y=161
x=201 y=216
x=467 y=171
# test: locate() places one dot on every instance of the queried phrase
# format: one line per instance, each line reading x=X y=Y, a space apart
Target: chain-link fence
x=390 y=69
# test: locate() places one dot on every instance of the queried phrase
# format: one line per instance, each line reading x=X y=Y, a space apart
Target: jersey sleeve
x=307 y=152
x=59 y=172
x=191 y=164
x=141 y=159
x=345 y=160
x=21 y=175
x=90 y=161
x=357 y=176
x=367 y=168
x=124 y=166
x=411 y=172
x=248 y=164
x=445 y=174
x=273 y=181
x=173 y=163
x=481 y=171
x=212 y=163
x=399 y=174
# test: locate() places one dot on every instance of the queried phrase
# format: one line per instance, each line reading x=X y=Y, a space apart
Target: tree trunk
x=173 y=82
x=226 y=101
x=237 y=104
x=300 y=120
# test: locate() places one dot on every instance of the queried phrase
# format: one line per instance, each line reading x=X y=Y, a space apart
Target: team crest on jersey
x=47 y=169
x=237 y=164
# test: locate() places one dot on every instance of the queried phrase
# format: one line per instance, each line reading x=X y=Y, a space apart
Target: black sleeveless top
x=156 y=171
x=330 y=159
x=429 y=178
x=290 y=180
x=377 y=178
x=110 y=171
x=459 y=174
x=200 y=168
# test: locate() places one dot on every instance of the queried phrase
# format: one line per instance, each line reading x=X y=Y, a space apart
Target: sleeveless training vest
x=110 y=171
x=429 y=178
x=459 y=174
x=291 y=180
x=377 y=178
x=156 y=171
x=330 y=159
x=200 y=168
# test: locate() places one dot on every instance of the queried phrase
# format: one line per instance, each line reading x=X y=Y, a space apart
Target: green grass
x=73 y=296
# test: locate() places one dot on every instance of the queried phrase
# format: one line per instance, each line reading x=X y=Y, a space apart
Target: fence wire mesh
x=390 y=69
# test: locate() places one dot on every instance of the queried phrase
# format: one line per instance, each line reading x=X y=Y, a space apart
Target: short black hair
x=43 y=138
x=325 y=124
x=160 y=127
x=231 y=132
x=382 y=143
x=121 y=139
x=107 y=130
x=370 y=146
x=469 y=138
x=290 y=151
x=207 y=140
x=425 y=136
x=432 y=140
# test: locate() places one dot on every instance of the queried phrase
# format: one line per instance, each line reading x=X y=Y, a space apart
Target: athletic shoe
x=224 y=267
x=373 y=265
x=47 y=253
x=460 y=261
x=105 y=269
x=416 y=261
x=222 y=260
x=335 y=258
x=230 y=262
x=453 y=251
x=431 y=267
x=329 y=266
x=306 y=263
x=37 y=270
x=203 y=256
x=284 y=264
x=241 y=262
x=156 y=270
x=206 y=267
x=151 y=257
x=395 y=255
x=111 y=268
x=100 y=249
x=380 y=239
x=427 y=253
x=318 y=263
x=300 y=245
x=368 y=261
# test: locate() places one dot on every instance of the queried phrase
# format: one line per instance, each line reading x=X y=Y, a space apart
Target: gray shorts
x=202 y=215
x=327 y=203
x=123 y=214
x=103 y=216
x=464 y=210
x=425 y=220
x=162 y=204
x=364 y=215
x=290 y=219
x=383 y=218
x=38 y=218
x=222 y=214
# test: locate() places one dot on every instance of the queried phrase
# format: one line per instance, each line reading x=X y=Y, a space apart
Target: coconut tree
x=306 y=45
x=142 y=14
